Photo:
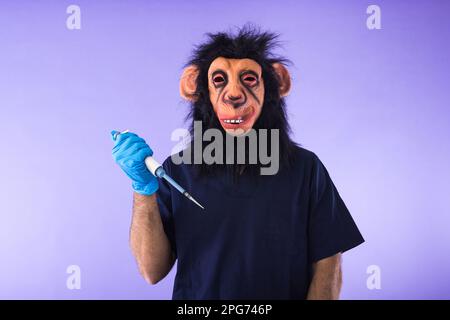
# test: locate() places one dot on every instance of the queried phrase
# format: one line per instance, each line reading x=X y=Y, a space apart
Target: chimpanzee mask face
x=236 y=90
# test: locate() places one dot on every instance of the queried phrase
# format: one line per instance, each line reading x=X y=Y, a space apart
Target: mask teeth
x=236 y=121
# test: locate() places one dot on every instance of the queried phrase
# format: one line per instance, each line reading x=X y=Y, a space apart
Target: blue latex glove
x=129 y=153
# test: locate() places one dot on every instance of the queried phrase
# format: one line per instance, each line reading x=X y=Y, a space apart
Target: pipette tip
x=195 y=201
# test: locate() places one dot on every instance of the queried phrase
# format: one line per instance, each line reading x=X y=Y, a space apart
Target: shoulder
x=307 y=164
x=304 y=157
x=177 y=163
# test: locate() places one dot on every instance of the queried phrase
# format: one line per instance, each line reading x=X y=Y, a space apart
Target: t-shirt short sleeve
x=331 y=227
x=164 y=199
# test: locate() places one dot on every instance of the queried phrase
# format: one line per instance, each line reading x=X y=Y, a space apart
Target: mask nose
x=235 y=97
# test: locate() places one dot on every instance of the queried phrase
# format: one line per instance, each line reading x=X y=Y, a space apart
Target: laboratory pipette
x=157 y=170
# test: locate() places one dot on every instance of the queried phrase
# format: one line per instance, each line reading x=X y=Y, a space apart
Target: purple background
x=373 y=104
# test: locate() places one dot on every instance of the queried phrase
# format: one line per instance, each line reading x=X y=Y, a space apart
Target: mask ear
x=284 y=78
x=188 y=83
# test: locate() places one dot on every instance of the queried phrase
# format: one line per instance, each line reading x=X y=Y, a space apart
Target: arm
x=327 y=279
x=148 y=241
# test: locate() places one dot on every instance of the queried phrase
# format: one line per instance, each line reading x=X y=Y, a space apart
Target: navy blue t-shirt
x=256 y=238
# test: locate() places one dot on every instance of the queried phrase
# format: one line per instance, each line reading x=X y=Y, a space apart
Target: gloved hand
x=129 y=153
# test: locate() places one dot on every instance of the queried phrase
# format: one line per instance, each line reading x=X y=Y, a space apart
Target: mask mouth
x=233 y=122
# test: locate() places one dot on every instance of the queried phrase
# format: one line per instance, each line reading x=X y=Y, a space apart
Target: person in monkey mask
x=267 y=232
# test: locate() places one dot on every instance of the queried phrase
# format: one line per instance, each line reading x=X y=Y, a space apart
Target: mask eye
x=250 y=80
x=218 y=80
